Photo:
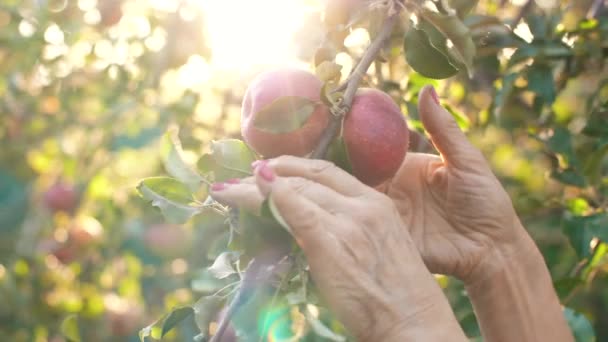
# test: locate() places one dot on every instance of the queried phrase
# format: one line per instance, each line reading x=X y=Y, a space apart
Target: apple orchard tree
x=99 y=96
x=259 y=284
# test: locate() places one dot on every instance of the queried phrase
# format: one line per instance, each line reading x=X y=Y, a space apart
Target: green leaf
x=580 y=325
x=503 y=95
x=424 y=58
x=565 y=286
x=597 y=124
x=171 y=154
x=285 y=114
x=175 y=317
x=463 y=121
x=582 y=229
x=569 y=176
x=463 y=48
x=69 y=328
x=321 y=329
x=594 y=162
x=205 y=310
x=223 y=265
x=338 y=154
x=229 y=158
x=540 y=81
x=173 y=198
x=13 y=202
x=463 y=6
x=161 y=327
x=539 y=51
x=204 y=282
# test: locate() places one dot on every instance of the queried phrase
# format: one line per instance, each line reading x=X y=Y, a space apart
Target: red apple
x=125 y=317
x=85 y=231
x=64 y=252
x=376 y=136
x=110 y=11
x=61 y=197
x=167 y=240
x=267 y=88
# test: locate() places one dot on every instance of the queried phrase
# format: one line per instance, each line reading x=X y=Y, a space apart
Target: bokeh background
x=88 y=87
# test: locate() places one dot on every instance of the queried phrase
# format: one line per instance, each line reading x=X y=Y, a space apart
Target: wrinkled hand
x=361 y=255
x=459 y=215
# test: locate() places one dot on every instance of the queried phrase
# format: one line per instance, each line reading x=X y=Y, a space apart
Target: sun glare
x=245 y=33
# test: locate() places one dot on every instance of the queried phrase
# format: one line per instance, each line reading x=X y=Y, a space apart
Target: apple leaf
x=229 y=158
x=223 y=265
x=175 y=317
x=424 y=58
x=270 y=210
x=206 y=283
x=580 y=230
x=173 y=198
x=580 y=325
x=463 y=6
x=338 y=154
x=453 y=28
x=205 y=310
x=69 y=328
x=285 y=114
x=161 y=327
x=172 y=157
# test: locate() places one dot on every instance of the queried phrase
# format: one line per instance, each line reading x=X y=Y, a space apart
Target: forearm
x=426 y=317
x=516 y=301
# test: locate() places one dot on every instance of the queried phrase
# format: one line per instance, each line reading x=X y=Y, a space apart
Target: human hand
x=361 y=256
x=458 y=213
x=464 y=224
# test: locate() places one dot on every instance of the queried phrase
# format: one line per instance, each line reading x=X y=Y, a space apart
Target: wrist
x=518 y=289
x=419 y=312
x=432 y=320
x=518 y=253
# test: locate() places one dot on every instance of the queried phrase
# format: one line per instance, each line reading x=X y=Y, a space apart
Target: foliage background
x=87 y=89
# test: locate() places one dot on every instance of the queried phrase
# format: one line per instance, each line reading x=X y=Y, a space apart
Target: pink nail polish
x=218 y=186
x=233 y=181
x=434 y=94
x=256 y=163
x=267 y=173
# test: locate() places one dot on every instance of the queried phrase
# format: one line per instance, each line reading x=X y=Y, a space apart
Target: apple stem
x=352 y=84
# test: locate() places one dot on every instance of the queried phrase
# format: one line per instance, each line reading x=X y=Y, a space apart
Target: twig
x=257 y=265
x=353 y=81
x=595 y=9
x=260 y=271
x=522 y=13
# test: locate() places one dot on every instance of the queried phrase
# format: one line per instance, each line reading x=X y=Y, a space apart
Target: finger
x=326 y=198
x=319 y=171
x=448 y=138
x=244 y=195
x=302 y=208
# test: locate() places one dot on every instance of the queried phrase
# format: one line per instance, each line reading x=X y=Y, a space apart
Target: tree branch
x=339 y=111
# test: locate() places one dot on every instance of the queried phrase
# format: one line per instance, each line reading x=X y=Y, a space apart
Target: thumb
x=448 y=138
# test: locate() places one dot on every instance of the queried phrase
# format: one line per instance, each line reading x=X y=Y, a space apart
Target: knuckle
x=299 y=185
x=283 y=160
x=318 y=166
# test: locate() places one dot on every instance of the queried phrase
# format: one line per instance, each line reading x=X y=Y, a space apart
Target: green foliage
x=87 y=101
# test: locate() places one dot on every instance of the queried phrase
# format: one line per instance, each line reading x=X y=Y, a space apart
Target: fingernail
x=256 y=163
x=218 y=186
x=434 y=94
x=266 y=173
x=233 y=181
